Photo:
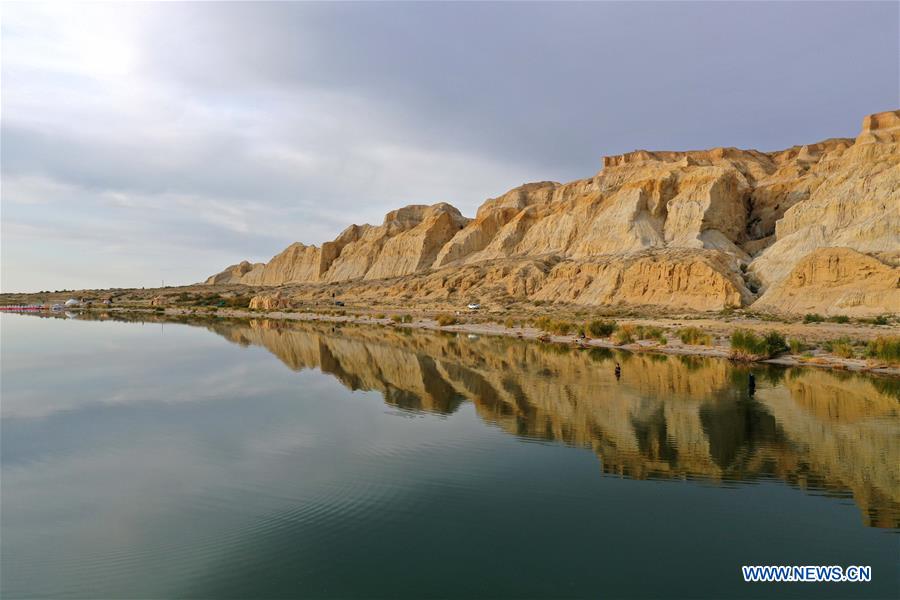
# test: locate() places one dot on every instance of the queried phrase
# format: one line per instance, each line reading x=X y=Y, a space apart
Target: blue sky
x=145 y=142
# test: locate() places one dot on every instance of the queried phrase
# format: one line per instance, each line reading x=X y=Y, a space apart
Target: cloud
x=227 y=130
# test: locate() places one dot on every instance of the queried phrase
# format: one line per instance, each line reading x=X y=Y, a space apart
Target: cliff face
x=700 y=230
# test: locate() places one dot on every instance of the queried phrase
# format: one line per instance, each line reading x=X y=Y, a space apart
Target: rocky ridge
x=811 y=228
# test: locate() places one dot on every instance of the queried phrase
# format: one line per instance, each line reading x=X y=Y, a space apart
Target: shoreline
x=527 y=332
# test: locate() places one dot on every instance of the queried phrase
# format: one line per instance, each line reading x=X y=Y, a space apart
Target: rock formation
x=701 y=230
x=268 y=302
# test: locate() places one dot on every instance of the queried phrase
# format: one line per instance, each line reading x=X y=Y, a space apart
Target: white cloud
x=195 y=135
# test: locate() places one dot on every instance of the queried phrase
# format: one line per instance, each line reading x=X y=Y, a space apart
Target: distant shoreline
x=427 y=323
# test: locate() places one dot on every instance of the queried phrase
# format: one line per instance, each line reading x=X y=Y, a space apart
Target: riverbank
x=666 y=331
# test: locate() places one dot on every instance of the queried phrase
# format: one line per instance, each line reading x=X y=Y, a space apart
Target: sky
x=143 y=143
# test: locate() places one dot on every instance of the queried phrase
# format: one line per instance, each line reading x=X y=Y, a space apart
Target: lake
x=272 y=459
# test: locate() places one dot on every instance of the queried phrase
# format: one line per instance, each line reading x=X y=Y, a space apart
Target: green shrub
x=879 y=320
x=444 y=320
x=560 y=327
x=397 y=318
x=652 y=333
x=746 y=345
x=509 y=323
x=842 y=349
x=407 y=319
x=886 y=348
x=552 y=326
x=694 y=336
x=543 y=323
x=380 y=316
x=775 y=342
x=813 y=318
x=601 y=328
x=796 y=346
x=625 y=334
x=839 y=319
x=841 y=341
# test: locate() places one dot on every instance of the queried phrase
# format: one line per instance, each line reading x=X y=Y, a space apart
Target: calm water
x=264 y=459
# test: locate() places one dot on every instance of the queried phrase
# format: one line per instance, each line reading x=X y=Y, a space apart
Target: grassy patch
x=813 y=318
x=796 y=346
x=601 y=328
x=879 y=320
x=694 y=336
x=842 y=347
x=554 y=326
x=746 y=345
x=839 y=319
x=625 y=334
x=886 y=348
x=444 y=320
x=657 y=334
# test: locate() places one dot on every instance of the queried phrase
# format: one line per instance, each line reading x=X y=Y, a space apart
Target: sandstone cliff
x=701 y=230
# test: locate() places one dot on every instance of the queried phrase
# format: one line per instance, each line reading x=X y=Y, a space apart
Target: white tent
x=72 y=302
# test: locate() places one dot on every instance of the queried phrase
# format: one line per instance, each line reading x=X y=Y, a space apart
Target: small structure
x=474 y=306
x=72 y=302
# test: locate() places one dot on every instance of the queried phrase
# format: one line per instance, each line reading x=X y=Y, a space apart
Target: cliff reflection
x=667 y=417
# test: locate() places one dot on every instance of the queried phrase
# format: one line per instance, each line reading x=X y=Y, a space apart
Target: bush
x=796 y=346
x=561 y=327
x=746 y=345
x=397 y=318
x=380 y=316
x=509 y=323
x=625 y=335
x=601 y=328
x=841 y=348
x=886 y=348
x=555 y=327
x=840 y=342
x=652 y=333
x=775 y=342
x=839 y=319
x=543 y=323
x=444 y=320
x=813 y=318
x=694 y=336
x=879 y=320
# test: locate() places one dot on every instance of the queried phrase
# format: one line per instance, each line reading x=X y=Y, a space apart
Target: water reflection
x=666 y=417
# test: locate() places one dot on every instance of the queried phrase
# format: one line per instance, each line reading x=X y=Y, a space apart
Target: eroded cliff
x=701 y=230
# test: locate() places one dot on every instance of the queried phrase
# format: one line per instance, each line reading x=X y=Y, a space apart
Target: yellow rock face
x=836 y=281
x=234 y=273
x=268 y=302
x=701 y=230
